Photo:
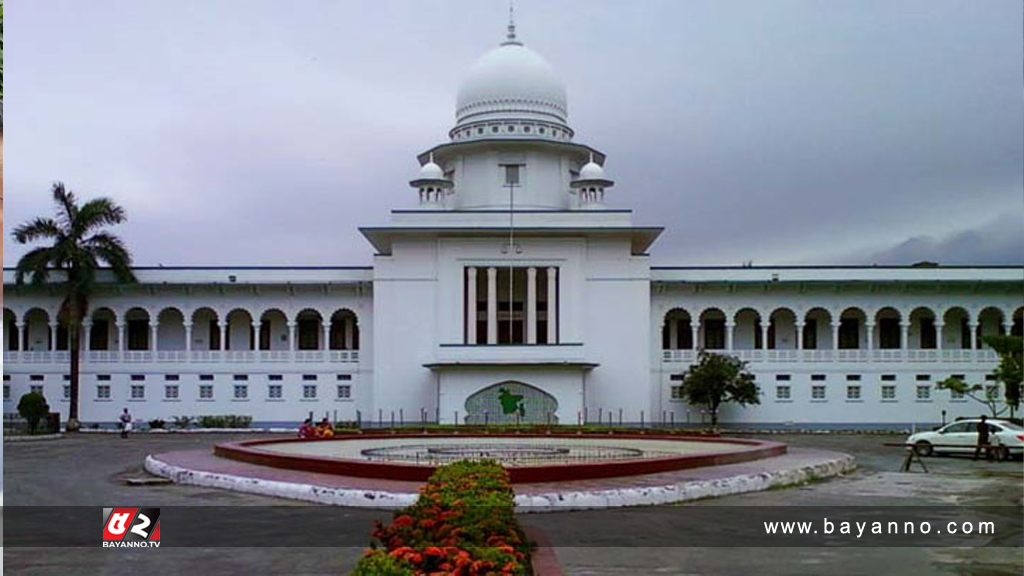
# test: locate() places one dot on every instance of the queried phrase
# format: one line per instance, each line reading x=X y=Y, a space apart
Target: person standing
x=126 y=423
x=983 y=440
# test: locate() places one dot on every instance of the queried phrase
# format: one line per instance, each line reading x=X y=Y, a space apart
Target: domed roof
x=592 y=171
x=431 y=171
x=512 y=81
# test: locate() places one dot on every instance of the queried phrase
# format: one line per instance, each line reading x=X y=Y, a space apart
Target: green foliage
x=1011 y=366
x=33 y=407
x=380 y=563
x=182 y=422
x=157 y=424
x=462 y=523
x=225 y=421
x=975 y=392
x=717 y=379
x=76 y=246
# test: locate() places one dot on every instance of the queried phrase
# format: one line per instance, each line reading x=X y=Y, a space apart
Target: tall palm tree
x=78 y=246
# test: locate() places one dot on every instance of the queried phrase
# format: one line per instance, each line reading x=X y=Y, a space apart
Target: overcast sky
x=782 y=132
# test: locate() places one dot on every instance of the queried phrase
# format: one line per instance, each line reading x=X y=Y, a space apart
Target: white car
x=961 y=437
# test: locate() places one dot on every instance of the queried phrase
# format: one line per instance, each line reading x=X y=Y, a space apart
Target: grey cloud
x=788 y=131
x=1000 y=241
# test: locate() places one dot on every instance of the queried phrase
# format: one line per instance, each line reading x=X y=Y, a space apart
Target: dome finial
x=510 y=36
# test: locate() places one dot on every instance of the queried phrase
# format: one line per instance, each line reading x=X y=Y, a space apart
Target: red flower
x=398 y=552
x=403 y=521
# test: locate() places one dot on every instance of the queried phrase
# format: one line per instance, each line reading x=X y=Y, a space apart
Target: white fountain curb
x=292 y=490
x=685 y=491
x=38 y=438
x=555 y=501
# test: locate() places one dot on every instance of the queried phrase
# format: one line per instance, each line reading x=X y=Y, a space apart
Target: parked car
x=961 y=437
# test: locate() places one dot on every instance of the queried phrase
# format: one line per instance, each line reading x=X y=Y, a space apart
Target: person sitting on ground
x=307 y=430
x=325 y=429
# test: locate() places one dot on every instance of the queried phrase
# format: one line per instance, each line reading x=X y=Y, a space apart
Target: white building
x=512 y=278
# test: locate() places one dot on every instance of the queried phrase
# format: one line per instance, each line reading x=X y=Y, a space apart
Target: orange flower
x=404 y=520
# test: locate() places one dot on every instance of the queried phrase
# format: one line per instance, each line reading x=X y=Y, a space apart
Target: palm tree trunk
x=75 y=306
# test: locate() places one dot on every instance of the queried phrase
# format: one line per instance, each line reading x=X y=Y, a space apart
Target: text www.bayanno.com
x=860 y=529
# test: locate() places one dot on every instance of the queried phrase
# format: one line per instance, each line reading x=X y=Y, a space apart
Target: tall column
x=835 y=335
x=223 y=334
x=291 y=336
x=531 y=305
x=19 y=333
x=53 y=336
x=350 y=340
x=153 y=335
x=973 y=326
x=254 y=343
x=327 y=336
x=799 y=335
x=188 y=337
x=870 y=329
x=552 y=305
x=86 y=337
x=470 y=306
x=492 y=305
x=938 y=335
x=764 y=334
x=730 y=328
x=904 y=335
x=695 y=333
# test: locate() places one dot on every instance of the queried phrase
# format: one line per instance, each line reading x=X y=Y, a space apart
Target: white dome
x=591 y=171
x=431 y=171
x=511 y=82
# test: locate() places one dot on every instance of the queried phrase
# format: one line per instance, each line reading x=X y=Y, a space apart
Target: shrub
x=463 y=523
x=226 y=421
x=380 y=563
x=210 y=421
x=157 y=424
x=182 y=422
x=33 y=407
x=236 y=421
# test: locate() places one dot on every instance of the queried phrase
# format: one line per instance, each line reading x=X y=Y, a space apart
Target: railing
x=812 y=356
x=183 y=356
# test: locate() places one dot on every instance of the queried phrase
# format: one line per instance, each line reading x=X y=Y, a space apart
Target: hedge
x=463 y=523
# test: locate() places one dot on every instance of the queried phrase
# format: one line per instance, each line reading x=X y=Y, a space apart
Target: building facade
x=512 y=293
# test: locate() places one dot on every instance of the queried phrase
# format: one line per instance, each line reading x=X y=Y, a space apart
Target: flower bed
x=463 y=523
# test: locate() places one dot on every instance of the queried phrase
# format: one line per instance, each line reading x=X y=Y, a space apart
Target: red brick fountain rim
x=250 y=451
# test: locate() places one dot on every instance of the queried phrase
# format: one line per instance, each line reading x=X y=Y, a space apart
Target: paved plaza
x=89 y=470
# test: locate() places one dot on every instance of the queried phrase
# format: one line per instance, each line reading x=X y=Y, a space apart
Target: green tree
x=77 y=247
x=32 y=407
x=975 y=392
x=1011 y=366
x=717 y=379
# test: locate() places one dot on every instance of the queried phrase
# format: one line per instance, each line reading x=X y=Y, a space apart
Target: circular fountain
x=528 y=457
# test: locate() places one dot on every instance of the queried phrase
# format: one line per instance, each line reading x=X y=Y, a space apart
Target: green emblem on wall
x=510 y=403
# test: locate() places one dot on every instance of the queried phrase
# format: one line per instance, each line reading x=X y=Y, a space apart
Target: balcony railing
x=813 y=356
x=184 y=357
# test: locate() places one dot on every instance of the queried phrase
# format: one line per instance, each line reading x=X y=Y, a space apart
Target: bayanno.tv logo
x=131 y=527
